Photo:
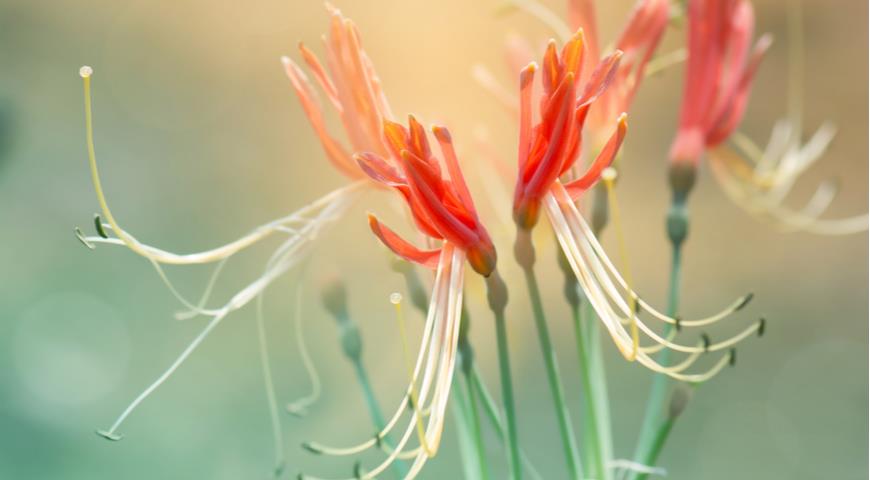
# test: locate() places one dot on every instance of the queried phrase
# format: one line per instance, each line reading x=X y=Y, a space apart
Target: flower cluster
x=572 y=111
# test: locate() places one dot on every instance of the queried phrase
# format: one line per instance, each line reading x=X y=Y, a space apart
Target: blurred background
x=200 y=138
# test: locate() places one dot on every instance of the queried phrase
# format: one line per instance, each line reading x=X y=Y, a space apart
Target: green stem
x=650 y=441
x=492 y=414
x=658 y=441
x=566 y=430
x=507 y=392
x=369 y=395
x=475 y=426
x=468 y=451
x=597 y=434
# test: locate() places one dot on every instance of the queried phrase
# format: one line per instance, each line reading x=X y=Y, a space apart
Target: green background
x=201 y=138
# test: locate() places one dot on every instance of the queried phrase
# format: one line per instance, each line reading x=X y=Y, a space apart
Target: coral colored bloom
x=351 y=86
x=719 y=74
x=550 y=148
x=443 y=211
x=442 y=207
x=638 y=40
x=545 y=153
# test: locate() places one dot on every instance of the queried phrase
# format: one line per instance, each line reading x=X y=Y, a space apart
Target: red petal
x=601 y=77
x=378 y=169
x=552 y=68
x=604 y=159
x=337 y=155
x=426 y=258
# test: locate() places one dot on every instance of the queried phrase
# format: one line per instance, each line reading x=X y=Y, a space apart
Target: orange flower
x=638 y=40
x=352 y=87
x=719 y=74
x=442 y=207
x=550 y=148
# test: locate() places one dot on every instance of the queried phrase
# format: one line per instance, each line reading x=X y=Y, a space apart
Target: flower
x=719 y=73
x=640 y=36
x=550 y=148
x=760 y=180
x=545 y=153
x=442 y=210
x=352 y=87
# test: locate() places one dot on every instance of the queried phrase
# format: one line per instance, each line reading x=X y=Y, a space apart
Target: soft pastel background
x=200 y=138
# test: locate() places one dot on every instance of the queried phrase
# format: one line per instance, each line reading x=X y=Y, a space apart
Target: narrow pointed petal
x=334 y=151
x=426 y=258
x=604 y=160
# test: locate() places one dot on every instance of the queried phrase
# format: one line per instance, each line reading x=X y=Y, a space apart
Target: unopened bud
x=333 y=294
x=680 y=397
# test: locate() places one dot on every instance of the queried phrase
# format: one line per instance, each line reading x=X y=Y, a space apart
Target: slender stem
x=467 y=445
x=647 y=448
x=566 y=429
x=658 y=441
x=494 y=417
x=507 y=392
x=681 y=177
x=596 y=425
x=598 y=379
x=475 y=426
x=369 y=395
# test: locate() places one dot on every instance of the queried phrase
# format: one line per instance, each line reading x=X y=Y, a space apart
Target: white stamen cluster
x=617 y=305
x=431 y=376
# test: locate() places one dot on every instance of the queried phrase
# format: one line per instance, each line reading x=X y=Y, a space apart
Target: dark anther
x=636 y=305
x=746 y=300
x=761 y=324
x=410 y=402
x=706 y=339
x=98 y=225
x=732 y=357
x=378 y=440
x=357 y=470
x=311 y=448
x=677 y=323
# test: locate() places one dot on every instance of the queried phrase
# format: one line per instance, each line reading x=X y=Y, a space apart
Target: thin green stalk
x=494 y=416
x=472 y=413
x=362 y=377
x=591 y=450
x=459 y=406
x=497 y=298
x=647 y=451
x=566 y=429
x=507 y=392
x=682 y=178
x=596 y=426
x=475 y=426
x=334 y=297
x=658 y=441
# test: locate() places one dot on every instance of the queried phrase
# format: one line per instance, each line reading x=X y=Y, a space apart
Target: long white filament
x=591 y=276
x=293 y=250
x=437 y=360
x=298 y=219
x=763 y=193
x=582 y=231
